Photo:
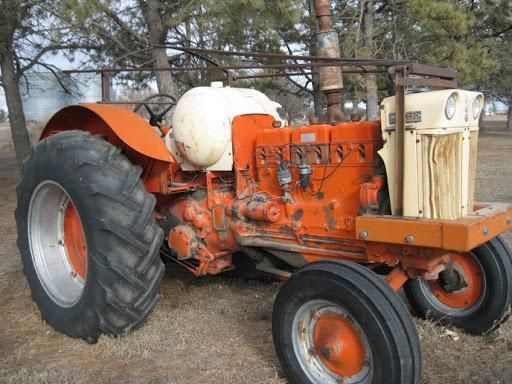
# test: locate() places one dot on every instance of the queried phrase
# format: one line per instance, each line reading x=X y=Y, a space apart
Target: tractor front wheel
x=87 y=237
x=474 y=293
x=338 y=322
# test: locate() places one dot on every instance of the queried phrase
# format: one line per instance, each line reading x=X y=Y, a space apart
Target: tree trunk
x=509 y=116
x=372 y=100
x=157 y=34
x=10 y=83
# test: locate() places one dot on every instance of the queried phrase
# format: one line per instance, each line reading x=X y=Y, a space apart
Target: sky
x=2 y=100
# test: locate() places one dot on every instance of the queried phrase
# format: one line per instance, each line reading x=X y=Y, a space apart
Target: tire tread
x=95 y=160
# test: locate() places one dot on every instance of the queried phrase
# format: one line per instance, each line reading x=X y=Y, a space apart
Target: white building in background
x=45 y=94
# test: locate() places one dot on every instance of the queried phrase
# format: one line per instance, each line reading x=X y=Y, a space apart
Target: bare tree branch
x=54 y=70
x=36 y=59
x=141 y=38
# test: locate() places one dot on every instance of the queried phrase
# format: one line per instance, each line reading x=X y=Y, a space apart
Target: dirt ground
x=214 y=329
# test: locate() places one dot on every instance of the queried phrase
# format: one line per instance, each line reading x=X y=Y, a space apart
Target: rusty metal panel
x=441 y=83
x=430 y=70
x=327 y=45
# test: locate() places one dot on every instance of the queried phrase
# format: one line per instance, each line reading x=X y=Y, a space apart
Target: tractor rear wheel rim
x=57 y=243
x=330 y=345
x=467 y=298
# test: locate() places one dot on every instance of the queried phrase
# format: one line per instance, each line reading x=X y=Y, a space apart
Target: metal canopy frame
x=407 y=73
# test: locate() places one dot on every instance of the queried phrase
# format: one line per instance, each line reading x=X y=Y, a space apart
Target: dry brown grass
x=215 y=329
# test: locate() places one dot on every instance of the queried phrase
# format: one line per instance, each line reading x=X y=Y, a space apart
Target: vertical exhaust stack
x=327 y=45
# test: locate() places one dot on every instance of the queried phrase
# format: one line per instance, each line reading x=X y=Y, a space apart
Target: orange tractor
x=346 y=211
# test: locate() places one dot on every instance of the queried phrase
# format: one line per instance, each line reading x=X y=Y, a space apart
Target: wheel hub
x=452 y=278
x=57 y=243
x=74 y=240
x=330 y=345
x=338 y=345
x=461 y=285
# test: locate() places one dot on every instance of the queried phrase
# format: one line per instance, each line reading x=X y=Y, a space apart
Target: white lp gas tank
x=201 y=126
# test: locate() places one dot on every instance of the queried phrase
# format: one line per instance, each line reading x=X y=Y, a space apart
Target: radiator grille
x=442 y=177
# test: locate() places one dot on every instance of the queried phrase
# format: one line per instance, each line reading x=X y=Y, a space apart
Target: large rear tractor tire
x=474 y=293
x=87 y=237
x=338 y=322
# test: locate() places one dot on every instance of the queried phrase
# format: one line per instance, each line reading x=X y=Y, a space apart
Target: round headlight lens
x=449 y=110
x=477 y=105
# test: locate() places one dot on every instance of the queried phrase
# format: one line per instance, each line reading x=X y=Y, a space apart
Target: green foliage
x=471 y=36
x=495 y=30
x=443 y=33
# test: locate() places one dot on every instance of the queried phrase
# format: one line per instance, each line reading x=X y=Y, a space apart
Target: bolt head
x=363 y=235
x=485 y=231
x=409 y=238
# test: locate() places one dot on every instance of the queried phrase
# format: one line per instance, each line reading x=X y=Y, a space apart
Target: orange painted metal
x=182 y=240
x=131 y=128
x=214 y=242
x=461 y=235
x=415 y=261
x=74 y=240
x=396 y=278
x=369 y=194
x=126 y=130
x=319 y=221
x=329 y=205
x=310 y=144
x=470 y=269
x=269 y=211
x=397 y=230
x=338 y=344
x=470 y=231
x=246 y=130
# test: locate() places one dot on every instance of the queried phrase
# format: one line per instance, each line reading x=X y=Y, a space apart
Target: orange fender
x=119 y=125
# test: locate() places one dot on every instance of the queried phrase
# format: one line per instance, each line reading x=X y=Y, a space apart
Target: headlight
x=449 y=109
x=477 y=106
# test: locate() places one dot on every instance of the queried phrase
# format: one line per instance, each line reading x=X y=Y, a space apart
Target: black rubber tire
x=373 y=304
x=495 y=259
x=507 y=249
x=123 y=240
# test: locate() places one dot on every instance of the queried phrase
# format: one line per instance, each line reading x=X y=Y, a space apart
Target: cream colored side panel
x=466 y=148
x=440 y=155
x=419 y=170
x=472 y=168
x=410 y=196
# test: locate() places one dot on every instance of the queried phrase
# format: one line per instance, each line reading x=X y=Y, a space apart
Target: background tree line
x=472 y=36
